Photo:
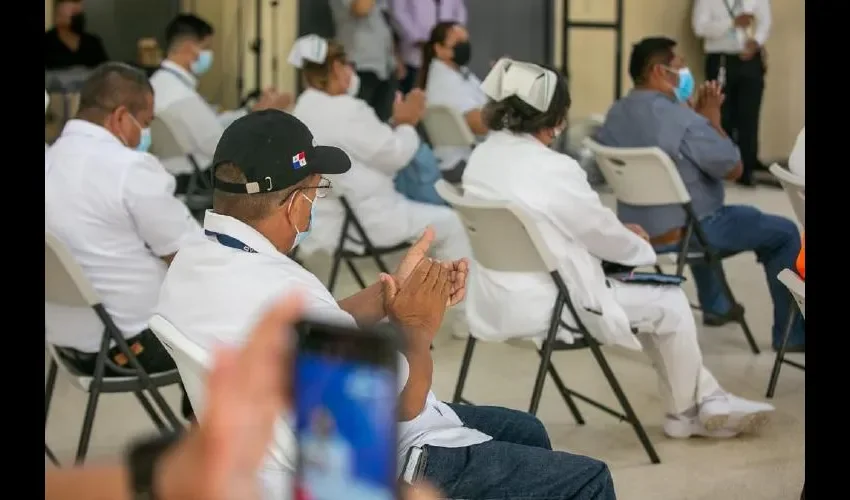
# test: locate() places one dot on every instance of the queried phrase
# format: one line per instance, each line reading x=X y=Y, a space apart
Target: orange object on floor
x=801 y=258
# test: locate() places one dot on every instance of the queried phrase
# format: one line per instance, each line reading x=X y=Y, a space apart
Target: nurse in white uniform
x=377 y=151
x=448 y=82
x=527 y=111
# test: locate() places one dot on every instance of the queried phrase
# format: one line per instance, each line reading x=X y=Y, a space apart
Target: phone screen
x=345 y=405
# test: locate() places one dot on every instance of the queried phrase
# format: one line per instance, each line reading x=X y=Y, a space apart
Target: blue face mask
x=144 y=140
x=300 y=235
x=203 y=63
x=686 y=85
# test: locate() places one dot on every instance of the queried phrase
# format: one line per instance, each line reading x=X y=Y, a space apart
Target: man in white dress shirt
x=113 y=205
x=189 y=56
x=734 y=34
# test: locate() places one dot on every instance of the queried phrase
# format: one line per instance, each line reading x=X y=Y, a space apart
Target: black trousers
x=379 y=94
x=741 y=110
x=148 y=350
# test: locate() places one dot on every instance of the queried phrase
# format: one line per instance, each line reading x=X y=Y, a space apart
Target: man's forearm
x=419 y=380
x=89 y=483
x=366 y=306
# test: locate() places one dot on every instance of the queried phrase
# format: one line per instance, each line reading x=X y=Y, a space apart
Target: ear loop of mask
x=300 y=235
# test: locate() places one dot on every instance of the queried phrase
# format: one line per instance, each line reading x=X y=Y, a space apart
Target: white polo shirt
x=115 y=210
x=458 y=90
x=214 y=294
x=174 y=86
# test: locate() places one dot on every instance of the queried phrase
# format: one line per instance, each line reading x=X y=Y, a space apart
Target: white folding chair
x=348 y=240
x=795 y=188
x=66 y=285
x=647 y=177
x=446 y=127
x=797 y=288
x=171 y=139
x=522 y=248
x=193 y=362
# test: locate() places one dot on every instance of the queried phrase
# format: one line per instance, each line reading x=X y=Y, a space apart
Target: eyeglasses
x=323 y=188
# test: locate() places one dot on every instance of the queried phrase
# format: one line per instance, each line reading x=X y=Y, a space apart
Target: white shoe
x=682 y=427
x=733 y=413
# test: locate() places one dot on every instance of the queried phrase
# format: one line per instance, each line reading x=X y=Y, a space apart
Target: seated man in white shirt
x=189 y=56
x=112 y=204
x=268 y=178
x=528 y=109
x=797 y=160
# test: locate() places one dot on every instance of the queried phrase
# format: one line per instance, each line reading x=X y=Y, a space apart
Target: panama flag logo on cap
x=299 y=160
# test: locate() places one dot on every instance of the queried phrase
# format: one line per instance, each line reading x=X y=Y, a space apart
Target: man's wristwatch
x=142 y=457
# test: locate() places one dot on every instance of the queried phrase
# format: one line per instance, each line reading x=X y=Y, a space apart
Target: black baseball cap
x=275 y=151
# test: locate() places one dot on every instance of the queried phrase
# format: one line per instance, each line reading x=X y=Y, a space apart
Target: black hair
x=517 y=116
x=114 y=84
x=186 y=26
x=647 y=53
x=438 y=35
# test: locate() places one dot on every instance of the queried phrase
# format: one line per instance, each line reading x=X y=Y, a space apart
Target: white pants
x=668 y=333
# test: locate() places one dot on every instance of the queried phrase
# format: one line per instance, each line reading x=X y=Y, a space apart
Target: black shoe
x=733 y=315
x=748 y=182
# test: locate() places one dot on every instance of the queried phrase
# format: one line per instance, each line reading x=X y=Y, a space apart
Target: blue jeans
x=776 y=243
x=416 y=180
x=518 y=463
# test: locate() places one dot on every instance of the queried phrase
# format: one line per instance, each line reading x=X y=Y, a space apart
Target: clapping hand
x=418 y=305
x=458 y=269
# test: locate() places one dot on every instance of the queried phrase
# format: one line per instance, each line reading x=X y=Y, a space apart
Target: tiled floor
x=769 y=466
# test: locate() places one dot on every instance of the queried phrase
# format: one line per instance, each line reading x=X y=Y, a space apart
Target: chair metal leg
x=565 y=392
x=48 y=390
x=631 y=416
x=717 y=264
x=464 y=370
x=357 y=277
x=780 y=356
x=334 y=272
x=51 y=456
x=154 y=416
x=546 y=354
x=380 y=263
x=88 y=423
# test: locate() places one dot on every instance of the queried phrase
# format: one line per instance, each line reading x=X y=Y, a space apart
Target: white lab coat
x=578 y=229
x=797 y=160
x=377 y=152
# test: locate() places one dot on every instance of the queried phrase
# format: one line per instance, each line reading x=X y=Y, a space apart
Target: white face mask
x=353 y=85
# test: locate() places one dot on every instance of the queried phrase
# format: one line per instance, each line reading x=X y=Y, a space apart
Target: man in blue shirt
x=659 y=112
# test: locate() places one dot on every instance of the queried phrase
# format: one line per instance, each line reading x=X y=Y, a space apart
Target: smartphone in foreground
x=345 y=407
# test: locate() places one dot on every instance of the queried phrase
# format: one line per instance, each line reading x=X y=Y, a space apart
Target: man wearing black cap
x=268 y=174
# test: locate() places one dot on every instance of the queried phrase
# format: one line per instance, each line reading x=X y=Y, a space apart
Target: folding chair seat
x=526 y=251
x=170 y=139
x=795 y=188
x=648 y=177
x=66 y=285
x=347 y=240
x=446 y=127
x=797 y=288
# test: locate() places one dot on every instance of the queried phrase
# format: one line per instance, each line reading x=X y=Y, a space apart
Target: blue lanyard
x=179 y=76
x=229 y=241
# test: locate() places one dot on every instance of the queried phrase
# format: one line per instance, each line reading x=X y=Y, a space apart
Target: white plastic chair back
x=796 y=286
x=640 y=176
x=502 y=236
x=64 y=281
x=581 y=129
x=795 y=188
x=170 y=137
x=192 y=363
x=447 y=128
x=190 y=358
